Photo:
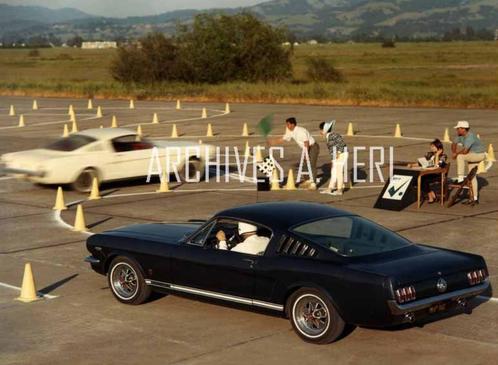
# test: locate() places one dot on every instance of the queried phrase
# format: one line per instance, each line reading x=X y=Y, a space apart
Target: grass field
x=456 y=74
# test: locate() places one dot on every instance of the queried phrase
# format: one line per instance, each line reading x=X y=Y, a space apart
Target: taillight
x=477 y=276
x=406 y=294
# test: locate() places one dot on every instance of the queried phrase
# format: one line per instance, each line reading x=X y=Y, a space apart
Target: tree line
x=213 y=49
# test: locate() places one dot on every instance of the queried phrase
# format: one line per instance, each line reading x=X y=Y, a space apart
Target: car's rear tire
x=314 y=317
x=195 y=165
x=127 y=282
x=83 y=182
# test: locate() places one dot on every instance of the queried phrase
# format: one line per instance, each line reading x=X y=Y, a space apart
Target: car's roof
x=282 y=215
x=106 y=133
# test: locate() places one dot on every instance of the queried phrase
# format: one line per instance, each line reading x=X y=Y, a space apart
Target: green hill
x=325 y=19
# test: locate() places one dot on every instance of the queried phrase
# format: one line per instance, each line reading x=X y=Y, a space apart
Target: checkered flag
x=266 y=166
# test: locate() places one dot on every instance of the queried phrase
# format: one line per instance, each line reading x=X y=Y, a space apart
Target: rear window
x=131 y=143
x=351 y=236
x=70 y=143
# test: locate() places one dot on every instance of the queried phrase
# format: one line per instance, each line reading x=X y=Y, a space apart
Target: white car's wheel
x=194 y=166
x=83 y=182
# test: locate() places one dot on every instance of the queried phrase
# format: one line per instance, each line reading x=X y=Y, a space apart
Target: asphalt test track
x=82 y=323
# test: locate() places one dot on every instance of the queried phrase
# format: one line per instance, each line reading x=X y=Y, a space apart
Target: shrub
x=75 y=41
x=63 y=57
x=156 y=59
x=34 y=53
x=319 y=69
x=239 y=47
x=214 y=49
x=388 y=44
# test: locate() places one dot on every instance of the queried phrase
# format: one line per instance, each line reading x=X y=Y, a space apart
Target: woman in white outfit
x=339 y=155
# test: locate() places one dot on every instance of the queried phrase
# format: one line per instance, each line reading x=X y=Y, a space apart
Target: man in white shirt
x=304 y=139
x=252 y=244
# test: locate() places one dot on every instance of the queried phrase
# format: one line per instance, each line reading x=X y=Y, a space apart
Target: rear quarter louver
x=289 y=246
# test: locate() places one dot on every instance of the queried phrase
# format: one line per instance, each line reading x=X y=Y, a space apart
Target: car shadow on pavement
x=94 y=224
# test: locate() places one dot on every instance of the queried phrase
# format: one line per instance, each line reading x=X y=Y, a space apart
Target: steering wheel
x=233 y=241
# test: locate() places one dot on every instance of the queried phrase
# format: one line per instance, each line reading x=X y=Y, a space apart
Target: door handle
x=251 y=261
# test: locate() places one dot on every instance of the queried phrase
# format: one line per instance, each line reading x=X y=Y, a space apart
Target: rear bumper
x=400 y=309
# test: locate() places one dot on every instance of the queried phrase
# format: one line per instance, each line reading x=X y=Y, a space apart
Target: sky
x=123 y=8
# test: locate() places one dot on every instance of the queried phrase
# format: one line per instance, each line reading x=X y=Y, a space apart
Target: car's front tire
x=314 y=317
x=127 y=281
x=84 y=181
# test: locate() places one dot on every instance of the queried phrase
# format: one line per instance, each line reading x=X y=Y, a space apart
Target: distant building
x=98 y=45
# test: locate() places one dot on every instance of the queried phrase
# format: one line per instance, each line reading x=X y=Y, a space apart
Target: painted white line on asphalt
x=164 y=122
x=399 y=138
x=7 y=178
x=491 y=299
x=174 y=191
x=60 y=221
x=48 y=123
x=367 y=187
x=8 y=286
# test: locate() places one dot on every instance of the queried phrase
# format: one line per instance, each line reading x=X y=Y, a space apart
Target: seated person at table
x=435 y=159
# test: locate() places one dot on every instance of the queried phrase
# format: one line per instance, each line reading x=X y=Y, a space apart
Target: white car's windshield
x=70 y=143
x=351 y=236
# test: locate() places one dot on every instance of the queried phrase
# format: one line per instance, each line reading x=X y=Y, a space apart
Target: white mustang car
x=106 y=153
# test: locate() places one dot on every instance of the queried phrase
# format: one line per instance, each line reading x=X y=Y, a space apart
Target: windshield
x=70 y=143
x=351 y=236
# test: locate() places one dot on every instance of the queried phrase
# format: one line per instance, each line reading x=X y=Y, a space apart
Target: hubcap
x=311 y=315
x=124 y=281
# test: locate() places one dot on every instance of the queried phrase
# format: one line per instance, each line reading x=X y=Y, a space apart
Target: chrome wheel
x=124 y=281
x=311 y=315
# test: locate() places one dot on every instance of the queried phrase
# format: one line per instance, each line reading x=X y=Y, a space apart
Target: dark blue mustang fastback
x=323 y=268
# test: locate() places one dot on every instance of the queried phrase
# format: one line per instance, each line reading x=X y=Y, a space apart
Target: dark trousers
x=313 y=152
x=427 y=180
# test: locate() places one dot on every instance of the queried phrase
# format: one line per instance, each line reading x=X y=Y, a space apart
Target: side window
x=130 y=143
x=238 y=236
x=200 y=238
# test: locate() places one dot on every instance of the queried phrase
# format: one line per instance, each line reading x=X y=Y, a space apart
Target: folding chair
x=456 y=189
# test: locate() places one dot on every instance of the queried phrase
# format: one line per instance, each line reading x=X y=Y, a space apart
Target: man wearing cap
x=305 y=140
x=467 y=148
x=251 y=244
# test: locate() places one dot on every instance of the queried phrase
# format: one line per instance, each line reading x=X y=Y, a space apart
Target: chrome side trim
x=92 y=260
x=215 y=295
x=399 y=309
